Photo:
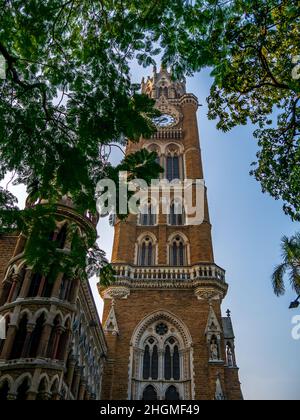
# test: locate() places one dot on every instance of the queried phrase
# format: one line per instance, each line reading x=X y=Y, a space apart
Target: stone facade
x=54 y=347
x=164 y=328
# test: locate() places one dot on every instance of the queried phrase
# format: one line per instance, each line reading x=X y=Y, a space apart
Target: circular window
x=162 y=329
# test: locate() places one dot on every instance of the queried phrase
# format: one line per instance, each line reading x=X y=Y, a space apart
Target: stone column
x=70 y=372
x=41 y=288
x=74 y=290
x=11 y=397
x=13 y=288
x=56 y=287
x=30 y=328
x=76 y=382
x=82 y=390
x=9 y=342
x=58 y=335
x=20 y=245
x=26 y=285
x=31 y=395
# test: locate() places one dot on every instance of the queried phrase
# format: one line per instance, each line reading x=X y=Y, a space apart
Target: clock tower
x=166 y=336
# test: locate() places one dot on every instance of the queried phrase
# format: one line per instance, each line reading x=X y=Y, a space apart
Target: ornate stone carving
x=116 y=293
x=205 y=293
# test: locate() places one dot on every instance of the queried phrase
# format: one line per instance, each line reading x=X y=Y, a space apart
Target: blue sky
x=247 y=228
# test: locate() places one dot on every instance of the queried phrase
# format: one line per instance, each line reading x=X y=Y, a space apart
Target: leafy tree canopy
x=68 y=93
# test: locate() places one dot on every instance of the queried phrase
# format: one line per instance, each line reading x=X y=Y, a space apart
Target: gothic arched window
x=65 y=288
x=146 y=257
x=177 y=214
x=36 y=337
x=172 y=394
x=150 y=394
x=172 y=360
x=148 y=215
x=23 y=390
x=178 y=253
x=173 y=167
x=62 y=237
x=150 y=360
x=35 y=284
x=20 y=338
x=161 y=356
x=4 y=390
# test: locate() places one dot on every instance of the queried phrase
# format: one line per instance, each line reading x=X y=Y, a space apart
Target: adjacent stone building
x=166 y=336
x=54 y=347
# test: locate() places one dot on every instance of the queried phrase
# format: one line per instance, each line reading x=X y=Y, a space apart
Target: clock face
x=165 y=120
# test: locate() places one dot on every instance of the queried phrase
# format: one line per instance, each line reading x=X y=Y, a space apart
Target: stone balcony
x=206 y=280
x=196 y=272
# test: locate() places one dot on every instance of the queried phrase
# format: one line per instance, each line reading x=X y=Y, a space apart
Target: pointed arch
x=161 y=352
x=178 y=250
x=146 y=250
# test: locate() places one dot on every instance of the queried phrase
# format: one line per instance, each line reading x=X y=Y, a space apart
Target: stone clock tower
x=167 y=339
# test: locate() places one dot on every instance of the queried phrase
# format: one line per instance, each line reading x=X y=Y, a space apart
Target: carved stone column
x=70 y=373
x=9 y=342
x=76 y=382
x=82 y=390
x=30 y=328
x=57 y=285
x=16 y=279
x=26 y=285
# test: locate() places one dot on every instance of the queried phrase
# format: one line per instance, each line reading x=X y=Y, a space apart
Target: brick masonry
x=183 y=303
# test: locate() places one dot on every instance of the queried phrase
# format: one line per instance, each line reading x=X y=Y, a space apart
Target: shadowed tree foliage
x=68 y=93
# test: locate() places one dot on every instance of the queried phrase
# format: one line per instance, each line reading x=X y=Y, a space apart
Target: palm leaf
x=278 y=279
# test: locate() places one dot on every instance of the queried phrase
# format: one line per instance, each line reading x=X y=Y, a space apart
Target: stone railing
x=196 y=272
x=169 y=133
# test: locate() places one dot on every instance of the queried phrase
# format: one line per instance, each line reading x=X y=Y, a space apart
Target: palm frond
x=294 y=278
x=278 y=279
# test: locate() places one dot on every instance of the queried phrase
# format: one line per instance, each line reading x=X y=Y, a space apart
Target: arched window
x=35 y=284
x=178 y=253
x=65 y=288
x=23 y=390
x=54 y=390
x=150 y=394
x=47 y=287
x=176 y=364
x=148 y=215
x=161 y=356
x=4 y=390
x=168 y=363
x=146 y=363
x=36 y=337
x=150 y=361
x=54 y=338
x=43 y=390
x=20 y=338
x=173 y=167
x=172 y=394
x=62 y=237
x=177 y=214
x=146 y=253
x=172 y=360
